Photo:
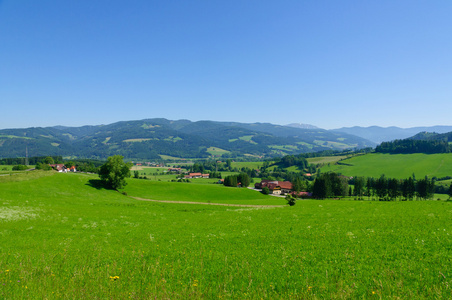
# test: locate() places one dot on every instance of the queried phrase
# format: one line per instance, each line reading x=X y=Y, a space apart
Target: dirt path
x=205 y=203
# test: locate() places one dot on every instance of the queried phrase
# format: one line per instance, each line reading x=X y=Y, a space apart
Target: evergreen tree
x=411 y=188
x=381 y=187
x=359 y=187
x=393 y=188
x=297 y=185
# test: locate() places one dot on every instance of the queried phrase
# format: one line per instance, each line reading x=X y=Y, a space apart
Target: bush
x=265 y=190
x=291 y=200
x=19 y=168
x=43 y=166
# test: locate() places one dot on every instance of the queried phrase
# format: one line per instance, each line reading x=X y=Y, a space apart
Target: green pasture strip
x=192 y=192
x=395 y=165
x=325 y=159
x=4 y=168
x=247 y=164
x=216 y=151
x=64 y=237
x=14 y=137
x=16 y=176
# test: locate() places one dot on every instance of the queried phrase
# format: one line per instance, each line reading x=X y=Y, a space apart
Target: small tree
x=114 y=172
x=265 y=190
x=43 y=166
x=49 y=160
x=291 y=200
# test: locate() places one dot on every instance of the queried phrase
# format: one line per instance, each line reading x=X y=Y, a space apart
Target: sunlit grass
x=80 y=241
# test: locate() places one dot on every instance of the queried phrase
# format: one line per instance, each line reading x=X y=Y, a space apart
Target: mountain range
x=378 y=134
x=156 y=138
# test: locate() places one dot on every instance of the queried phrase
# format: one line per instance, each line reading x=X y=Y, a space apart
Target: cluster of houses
x=62 y=168
x=280 y=188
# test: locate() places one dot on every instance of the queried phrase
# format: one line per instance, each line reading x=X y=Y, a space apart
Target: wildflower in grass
x=195 y=283
x=113 y=278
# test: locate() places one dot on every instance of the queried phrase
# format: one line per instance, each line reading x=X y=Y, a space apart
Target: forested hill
x=423 y=142
x=151 y=138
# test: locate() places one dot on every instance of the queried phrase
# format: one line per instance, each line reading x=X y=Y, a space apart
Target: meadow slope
x=62 y=236
x=394 y=165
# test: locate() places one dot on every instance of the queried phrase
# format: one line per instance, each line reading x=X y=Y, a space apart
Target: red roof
x=287 y=185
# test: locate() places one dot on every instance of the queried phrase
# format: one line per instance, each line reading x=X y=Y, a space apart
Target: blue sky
x=327 y=63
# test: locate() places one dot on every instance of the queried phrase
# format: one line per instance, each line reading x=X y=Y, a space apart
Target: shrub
x=291 y=200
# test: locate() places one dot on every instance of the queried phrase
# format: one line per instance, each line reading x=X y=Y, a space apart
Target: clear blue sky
x=326 y=63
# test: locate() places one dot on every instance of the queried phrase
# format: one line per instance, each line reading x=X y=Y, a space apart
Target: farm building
x=275 y=187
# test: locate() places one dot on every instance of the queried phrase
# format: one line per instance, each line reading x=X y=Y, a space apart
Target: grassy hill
x=394 y=165
x=62 y=236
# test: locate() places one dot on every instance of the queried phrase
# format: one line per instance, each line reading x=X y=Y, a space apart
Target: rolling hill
x=150 y=138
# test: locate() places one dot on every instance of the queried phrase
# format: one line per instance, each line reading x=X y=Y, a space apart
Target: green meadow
x=62 y=236
x=394 y=165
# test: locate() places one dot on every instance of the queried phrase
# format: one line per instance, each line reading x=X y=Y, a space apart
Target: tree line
x=409 y=146
x=384 y=189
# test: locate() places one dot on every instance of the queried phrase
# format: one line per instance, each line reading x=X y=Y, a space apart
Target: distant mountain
x=152 y=138
x=378 y=134
x=302 y=126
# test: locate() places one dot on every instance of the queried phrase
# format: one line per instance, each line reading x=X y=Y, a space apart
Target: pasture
x=394 y=165
x=62 y=236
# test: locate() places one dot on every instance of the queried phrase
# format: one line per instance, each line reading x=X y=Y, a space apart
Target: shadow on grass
x=97 y=184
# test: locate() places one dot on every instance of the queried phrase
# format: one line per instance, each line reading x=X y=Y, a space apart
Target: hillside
x=394 y=165
x=151 y=138
x=433 y=136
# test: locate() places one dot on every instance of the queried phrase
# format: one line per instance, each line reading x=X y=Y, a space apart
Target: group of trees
x=414 y=146
x=233 y=180
x=330 y=185
x=383 y=188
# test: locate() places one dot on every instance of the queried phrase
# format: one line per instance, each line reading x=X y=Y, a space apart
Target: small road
x=205 y=203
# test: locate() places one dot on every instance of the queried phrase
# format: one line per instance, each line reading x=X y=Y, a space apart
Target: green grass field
x=252 y=165
x=62 y=236
x=325 y=159
x=216 y=151
x=395 y=165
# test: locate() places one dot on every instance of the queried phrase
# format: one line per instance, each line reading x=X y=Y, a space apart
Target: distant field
x=324 y=159
x=251 y=165
x=395 y=165
x=216 y=151
x=62 y=236
x=167 y=157
x=5 y=168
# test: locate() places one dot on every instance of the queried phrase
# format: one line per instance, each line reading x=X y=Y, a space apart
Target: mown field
x=62 y=236
x=395 y=165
